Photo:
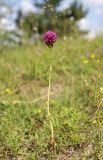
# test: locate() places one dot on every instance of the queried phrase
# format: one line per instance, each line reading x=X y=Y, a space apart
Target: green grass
x=76 y=92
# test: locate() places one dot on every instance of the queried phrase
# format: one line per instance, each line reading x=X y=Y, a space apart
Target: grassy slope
x=77 y=90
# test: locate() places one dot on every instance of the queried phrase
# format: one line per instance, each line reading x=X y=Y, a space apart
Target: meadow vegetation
x=76 y=101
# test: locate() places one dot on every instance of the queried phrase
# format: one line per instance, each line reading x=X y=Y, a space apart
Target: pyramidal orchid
x=50 y=38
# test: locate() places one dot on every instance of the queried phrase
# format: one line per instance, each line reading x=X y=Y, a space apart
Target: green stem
x=48 y=106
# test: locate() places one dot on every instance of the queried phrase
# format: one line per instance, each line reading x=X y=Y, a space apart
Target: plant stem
x=48 y=105
x=98 y=108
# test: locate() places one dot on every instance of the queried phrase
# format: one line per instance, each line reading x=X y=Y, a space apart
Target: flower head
x=8 y=91
x=97 y=60
x=50 y=38
x=101 y=89
x=92 y=56
x=85 y=61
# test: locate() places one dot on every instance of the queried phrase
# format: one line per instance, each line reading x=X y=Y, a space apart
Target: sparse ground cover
x=76 y=101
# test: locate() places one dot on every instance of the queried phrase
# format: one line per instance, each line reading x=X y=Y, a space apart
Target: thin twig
x=27 y=102
x=98 y=108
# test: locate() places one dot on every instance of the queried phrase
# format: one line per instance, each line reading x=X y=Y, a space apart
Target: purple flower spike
x=50 y=38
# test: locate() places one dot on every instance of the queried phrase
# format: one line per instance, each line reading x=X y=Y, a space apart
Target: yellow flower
x=8 y=91
x=94 y=122
x=85 y=61
x=97 y=60
x=92 y=56
x=101 y=89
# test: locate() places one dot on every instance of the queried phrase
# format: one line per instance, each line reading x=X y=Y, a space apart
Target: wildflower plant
x=49 y=39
